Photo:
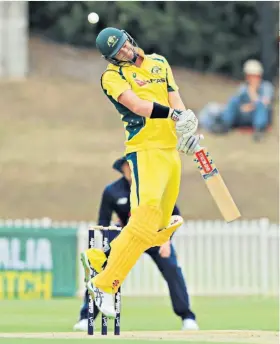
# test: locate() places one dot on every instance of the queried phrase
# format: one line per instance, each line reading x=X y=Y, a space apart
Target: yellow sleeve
x=114 y=84
x=171 y=84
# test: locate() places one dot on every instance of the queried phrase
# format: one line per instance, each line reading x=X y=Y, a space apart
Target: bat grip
x=198 y=147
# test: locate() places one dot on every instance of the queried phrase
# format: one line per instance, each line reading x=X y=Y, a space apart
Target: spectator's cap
x=253 y=67
x=117 y=165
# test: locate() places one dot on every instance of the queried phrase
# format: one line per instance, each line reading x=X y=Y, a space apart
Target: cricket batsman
x=116 y=199
x=143 y=90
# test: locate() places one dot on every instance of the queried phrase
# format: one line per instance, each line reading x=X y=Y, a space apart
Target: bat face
x=205 y=165
x=216 y=185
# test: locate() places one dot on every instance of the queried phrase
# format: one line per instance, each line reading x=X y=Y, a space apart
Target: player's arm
x=106 y=209
x=145 y=108
x=137 y=105
x=120 y=90
x=175 y=100
x=174 y=97
x=186 y=121
x=188 y=142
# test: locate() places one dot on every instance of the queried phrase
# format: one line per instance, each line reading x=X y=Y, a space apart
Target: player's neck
x=139 y=61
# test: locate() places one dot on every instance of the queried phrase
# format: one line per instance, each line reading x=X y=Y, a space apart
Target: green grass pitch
x=138 y=314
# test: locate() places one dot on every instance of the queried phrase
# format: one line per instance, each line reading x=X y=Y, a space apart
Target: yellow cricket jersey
x=151 y=81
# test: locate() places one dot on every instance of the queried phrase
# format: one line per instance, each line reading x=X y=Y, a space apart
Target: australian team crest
x=112 y=40
x=156 y=70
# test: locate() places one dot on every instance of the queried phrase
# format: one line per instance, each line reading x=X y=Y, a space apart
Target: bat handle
x=198 y=147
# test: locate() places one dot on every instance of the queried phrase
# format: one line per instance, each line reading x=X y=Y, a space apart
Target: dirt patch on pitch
x=250 y=337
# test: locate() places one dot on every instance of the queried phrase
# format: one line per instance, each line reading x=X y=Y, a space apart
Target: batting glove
x=189 y=144
x=186 y=121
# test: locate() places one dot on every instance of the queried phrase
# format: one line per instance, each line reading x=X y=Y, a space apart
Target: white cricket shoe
x=81 y=325
x=105 y=302
x=190 y=325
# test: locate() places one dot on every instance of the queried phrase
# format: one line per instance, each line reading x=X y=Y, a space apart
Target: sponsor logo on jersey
x=150 y=81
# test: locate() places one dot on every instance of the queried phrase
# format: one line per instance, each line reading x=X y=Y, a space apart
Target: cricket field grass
x=235 y=320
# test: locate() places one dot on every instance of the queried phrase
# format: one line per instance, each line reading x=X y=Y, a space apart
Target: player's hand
x=189 y=144
x=186 y=121
x=165 y=250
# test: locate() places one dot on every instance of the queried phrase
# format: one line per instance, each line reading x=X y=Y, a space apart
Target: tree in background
x=206 y=36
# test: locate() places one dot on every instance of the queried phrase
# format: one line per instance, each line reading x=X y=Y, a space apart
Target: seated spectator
x=252 y=105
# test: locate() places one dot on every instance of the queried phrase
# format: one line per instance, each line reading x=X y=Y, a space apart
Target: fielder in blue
x=115 y=199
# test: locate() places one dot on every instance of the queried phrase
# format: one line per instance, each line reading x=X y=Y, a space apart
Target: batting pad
x=135 y=238
x=164 y=235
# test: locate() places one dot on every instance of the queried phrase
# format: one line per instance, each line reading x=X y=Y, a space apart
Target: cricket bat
x=216 y=185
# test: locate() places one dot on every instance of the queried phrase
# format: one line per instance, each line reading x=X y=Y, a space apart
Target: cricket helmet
x=109 y=42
